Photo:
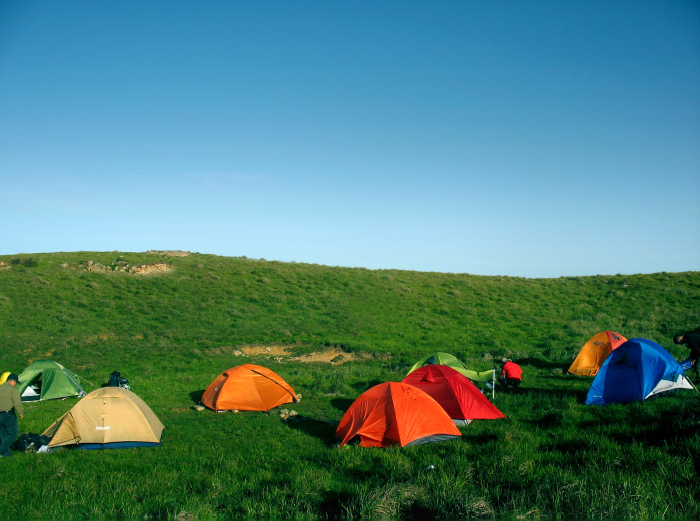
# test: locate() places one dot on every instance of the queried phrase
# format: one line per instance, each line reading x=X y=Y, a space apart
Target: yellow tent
x=594 y=352
x=3 y=377
x=108 y=418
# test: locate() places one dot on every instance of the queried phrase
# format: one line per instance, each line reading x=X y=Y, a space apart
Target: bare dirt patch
x=148 y=269
x=266 y=350
x=332 y=355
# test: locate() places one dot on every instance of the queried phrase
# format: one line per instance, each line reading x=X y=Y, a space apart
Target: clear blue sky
x=535 y=139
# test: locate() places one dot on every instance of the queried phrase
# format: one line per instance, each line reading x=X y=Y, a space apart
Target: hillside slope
x=204 y=302
x=172 y=332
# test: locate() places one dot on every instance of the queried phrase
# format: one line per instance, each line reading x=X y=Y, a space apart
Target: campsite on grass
x=338 y=393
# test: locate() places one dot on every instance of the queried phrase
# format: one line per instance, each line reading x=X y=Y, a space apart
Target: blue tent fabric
x=631 y=373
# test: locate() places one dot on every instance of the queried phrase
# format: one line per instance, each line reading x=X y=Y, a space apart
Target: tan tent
x=108 y=418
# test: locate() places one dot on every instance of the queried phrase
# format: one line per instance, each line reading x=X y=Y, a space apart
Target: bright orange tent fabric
x=395 y=413
x=454 y=392
x=248 y=387
x=594 y=352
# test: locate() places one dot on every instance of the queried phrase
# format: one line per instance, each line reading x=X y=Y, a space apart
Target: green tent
x=447 y=359
x=47 y=380
x=441 y=359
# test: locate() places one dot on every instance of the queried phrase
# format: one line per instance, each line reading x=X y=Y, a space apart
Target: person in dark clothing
x=511 y=375
x=692 y=340
x=9 y=400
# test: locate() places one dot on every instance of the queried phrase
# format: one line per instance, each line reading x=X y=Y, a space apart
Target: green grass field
x=171 y=334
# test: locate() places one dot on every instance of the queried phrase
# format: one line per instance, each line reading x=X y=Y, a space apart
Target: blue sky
x=535 y=139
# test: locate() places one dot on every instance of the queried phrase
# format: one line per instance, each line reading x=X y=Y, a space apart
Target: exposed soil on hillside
x=332 y=355
x=147 y=269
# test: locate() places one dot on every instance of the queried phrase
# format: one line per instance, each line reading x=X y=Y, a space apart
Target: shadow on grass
x=322 y=430
x=196 y=396
x=363 y=386
x=675 y=427
x=548 y=421
x=335 y=503
x=543 y=364
x=580 y=395
x=342 y=404
x=480 y=439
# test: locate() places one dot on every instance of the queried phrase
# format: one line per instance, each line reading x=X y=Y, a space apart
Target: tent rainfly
x=248 y=387
x=594 y=352
x=487 y=377
x=48 y=380
x=395 y=413
x=454 y=392
x=635 y=371
x=108 y=418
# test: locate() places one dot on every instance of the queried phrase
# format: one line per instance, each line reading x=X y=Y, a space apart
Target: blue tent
x=636 y=370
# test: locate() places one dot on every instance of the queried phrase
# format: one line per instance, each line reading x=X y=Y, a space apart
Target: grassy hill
x=171 y=332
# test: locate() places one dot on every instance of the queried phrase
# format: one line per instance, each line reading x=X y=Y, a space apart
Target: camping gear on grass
x=454 y=392
x=395 y=413
x=30 y=442
x=635 y=371
x=117 y=380
x=248 y=387
x=48 y=380
x=594 y=352
x=108 y=418
x=3 y=377
x=488 y=378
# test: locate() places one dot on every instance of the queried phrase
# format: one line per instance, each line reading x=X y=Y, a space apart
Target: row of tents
x=627 y=370
x=435 y=397
x=425 y=407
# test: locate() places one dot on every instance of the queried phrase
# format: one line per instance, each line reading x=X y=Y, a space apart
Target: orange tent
x=594 y=352
x=395 y=413
x=248 y=387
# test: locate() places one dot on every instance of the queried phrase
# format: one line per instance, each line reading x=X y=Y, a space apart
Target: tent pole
x=691 y=383
x=493 y=385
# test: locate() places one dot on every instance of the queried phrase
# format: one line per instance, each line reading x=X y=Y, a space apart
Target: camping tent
x=488 y=377
x=454 y=392
x=46 y=380
x=248 y=387
x=3 y=377
x=636 y=370
x=441 y=359
x=395 y=413
x=594 y=352
x=108 y=418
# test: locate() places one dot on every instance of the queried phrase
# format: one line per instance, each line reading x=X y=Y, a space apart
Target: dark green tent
x=52 y=380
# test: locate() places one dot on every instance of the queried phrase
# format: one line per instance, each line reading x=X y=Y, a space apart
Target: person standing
x=9 y=400
x=692 y=340
x=511 y=375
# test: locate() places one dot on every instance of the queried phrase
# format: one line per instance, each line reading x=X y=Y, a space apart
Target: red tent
x=394 y=413
x=454 y=392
